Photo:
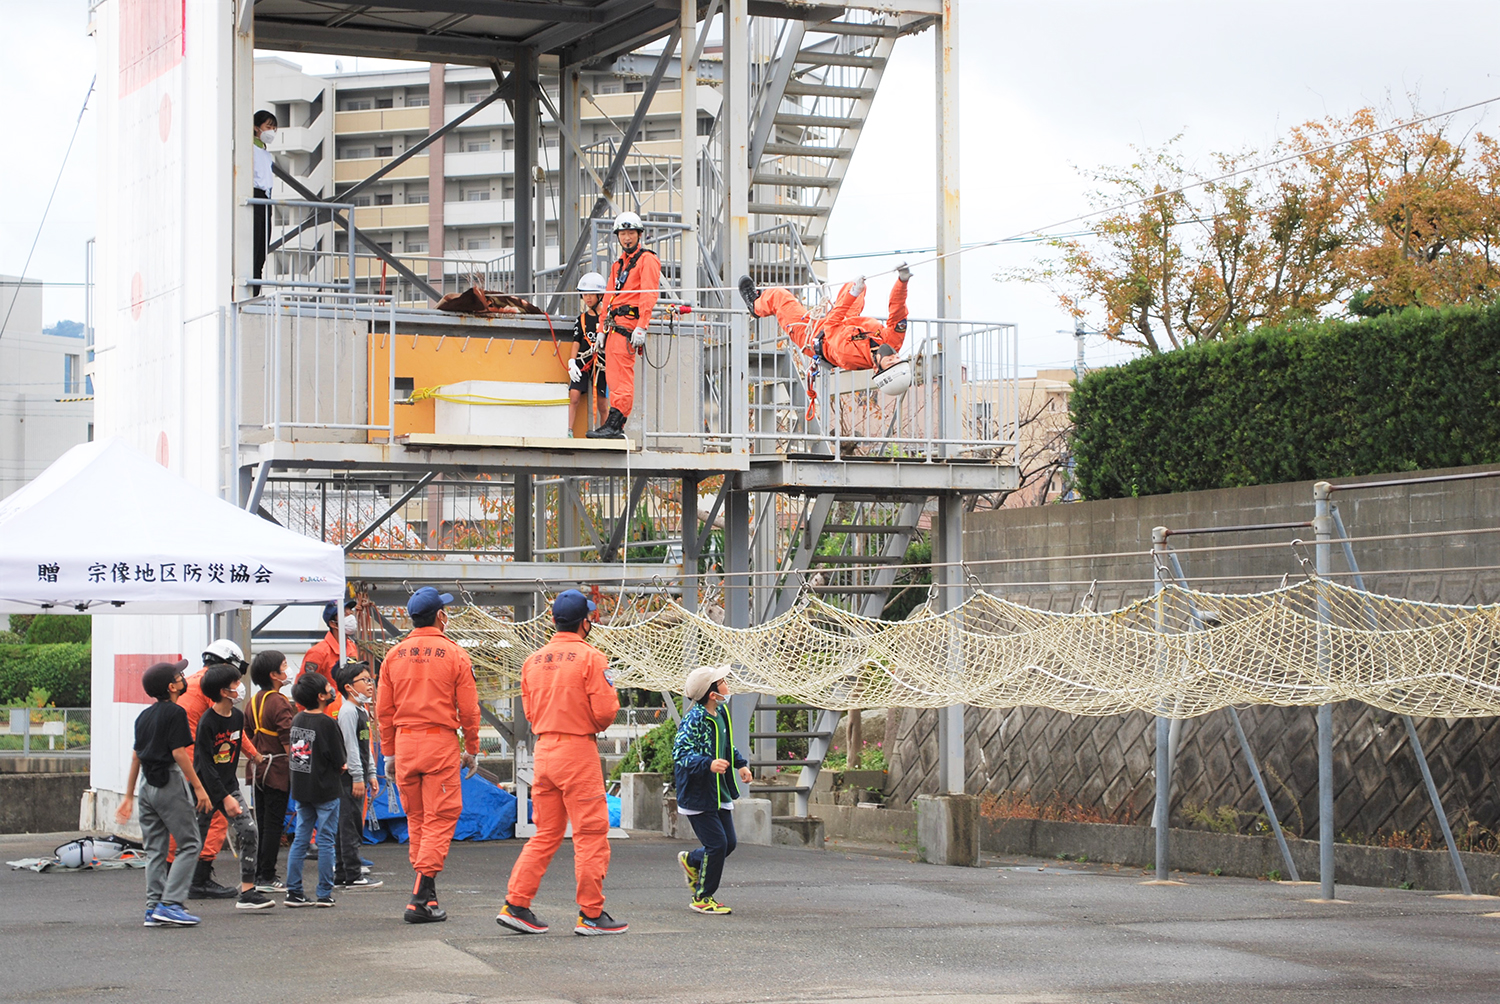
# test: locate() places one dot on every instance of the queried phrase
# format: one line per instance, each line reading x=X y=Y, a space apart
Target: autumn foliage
x=1409 y=217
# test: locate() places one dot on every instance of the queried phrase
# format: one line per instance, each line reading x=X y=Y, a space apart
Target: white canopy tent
x=105 y=530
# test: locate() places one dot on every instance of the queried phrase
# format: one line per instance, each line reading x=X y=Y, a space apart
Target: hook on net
x=1087 y=606
x=1308 y=568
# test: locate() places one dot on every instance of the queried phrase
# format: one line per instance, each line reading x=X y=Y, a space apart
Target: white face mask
x=239 y=692
x=351 y=624
x=268 y=137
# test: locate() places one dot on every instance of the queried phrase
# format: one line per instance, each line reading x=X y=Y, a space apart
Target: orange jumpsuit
x=322 y=658
x=849 y=340
x=426 y=693
x=631 y=294
x=567 y=700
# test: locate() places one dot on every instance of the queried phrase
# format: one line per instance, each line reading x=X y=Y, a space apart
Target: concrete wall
x=1100 y=769
x=41 y=794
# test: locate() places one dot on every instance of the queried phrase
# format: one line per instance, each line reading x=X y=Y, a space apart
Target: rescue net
x=1180 y=652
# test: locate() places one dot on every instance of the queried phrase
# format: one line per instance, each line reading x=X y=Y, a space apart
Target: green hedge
x=1415 y=390
x=62 y=670
x=655 y=747
x=54 y=629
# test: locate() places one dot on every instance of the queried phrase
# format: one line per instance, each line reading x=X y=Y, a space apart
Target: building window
x=354 y=153
x=385 y=151
x=474 y=97
x=634 y=86
x=384 y=200
x=91 y=432
x=477 y=195
x=477 y=243
x=657 y=134
x=361 y=200
x=477 y=146
x=416 y=198
x=385 y=102
x=416 y=247
x=357 y=104
x=72 y=374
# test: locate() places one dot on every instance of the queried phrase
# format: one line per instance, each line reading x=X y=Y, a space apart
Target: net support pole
x=1265 y=796
x=1323 y=531
x=1161 y=811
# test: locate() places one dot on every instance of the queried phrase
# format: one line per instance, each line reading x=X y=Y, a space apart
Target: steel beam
x=303 y=36
x=687 y=281
x=648 y=93
x=773 y=90
x=393 y=508
x=878 y=478
x=622 y=525
x=549 y=459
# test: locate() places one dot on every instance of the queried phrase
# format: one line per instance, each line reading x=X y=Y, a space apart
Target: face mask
x=239 y=692
x=268 y=137
x=361 y=699
x=351 y=624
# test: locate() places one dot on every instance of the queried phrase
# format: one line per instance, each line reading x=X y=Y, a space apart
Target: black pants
x=262 y=231
x=716 y=831
x=270 y=808
x=351 y=821
x=245 y=833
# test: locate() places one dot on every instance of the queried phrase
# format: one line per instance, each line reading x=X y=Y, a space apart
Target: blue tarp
x=489 y=812
x=612 y=801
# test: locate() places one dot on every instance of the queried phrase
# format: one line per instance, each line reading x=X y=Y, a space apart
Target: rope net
x=1180 y=652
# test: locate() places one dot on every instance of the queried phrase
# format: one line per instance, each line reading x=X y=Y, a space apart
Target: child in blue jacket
x=705 y=760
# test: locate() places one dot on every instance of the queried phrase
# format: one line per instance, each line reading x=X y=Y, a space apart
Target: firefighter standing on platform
x=568 y=700
x=426 y=694
x=630 y=296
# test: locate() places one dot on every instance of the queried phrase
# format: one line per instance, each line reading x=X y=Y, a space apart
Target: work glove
x=903 y=273
x=574 y=373
x=638 y=338
x=858 y=287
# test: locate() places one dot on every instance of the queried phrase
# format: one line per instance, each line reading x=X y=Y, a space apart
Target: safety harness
x=626 y=264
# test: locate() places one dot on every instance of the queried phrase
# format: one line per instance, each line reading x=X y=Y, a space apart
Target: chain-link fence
x=45 y=731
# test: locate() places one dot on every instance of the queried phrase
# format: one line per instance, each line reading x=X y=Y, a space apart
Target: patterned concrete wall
x=1105 y=765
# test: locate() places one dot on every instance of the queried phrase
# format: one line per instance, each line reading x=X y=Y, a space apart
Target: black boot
x=613 y=427
x=749 y=292
x=423 y=908
x=204 y=886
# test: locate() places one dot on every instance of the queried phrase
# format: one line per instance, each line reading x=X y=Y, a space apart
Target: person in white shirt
x=261 y=177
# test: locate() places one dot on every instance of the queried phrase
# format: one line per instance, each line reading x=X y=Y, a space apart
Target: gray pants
x=165 y=812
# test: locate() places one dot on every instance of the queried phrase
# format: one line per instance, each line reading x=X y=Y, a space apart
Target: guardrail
x=46 y=731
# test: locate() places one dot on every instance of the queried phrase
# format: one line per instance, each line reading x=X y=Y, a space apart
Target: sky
x=1049 y=92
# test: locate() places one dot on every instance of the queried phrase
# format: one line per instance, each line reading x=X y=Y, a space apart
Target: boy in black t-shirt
x=316 y=762
x=216 y=757
x=163 y=752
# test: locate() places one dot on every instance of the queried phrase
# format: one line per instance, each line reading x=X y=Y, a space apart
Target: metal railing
x=46 y=731
x=300 y=237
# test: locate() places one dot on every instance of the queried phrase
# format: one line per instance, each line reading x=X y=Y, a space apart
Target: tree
x=1407 y=217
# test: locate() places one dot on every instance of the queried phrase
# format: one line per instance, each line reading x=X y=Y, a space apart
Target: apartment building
x=46 y=400
x=455 y=201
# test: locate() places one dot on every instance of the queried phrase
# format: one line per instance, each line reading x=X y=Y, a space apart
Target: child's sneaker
x=687 y=866
x=326 y=901
x=520 y=918
x=174 y=915
x=253 y=899
x=273 y=885
x=295 y=898
x=602 y=924
x=363 y=882
x=709 y=905
x=151 y=920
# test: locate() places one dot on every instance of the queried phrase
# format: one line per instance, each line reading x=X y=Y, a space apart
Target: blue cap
x=426 y=600
x=571 y=606
x=331 y=611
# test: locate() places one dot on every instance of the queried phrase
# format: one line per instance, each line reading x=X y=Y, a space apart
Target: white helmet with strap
x=894 y=379
x=629 y=221
x=591 y=282
x=226 y=651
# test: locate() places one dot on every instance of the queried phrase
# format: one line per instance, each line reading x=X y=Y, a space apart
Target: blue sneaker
x=173 y=914
x=151 y=920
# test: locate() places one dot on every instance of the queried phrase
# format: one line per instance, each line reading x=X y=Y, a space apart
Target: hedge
x=62 y=670
x=53 y=629
x=1408 y=391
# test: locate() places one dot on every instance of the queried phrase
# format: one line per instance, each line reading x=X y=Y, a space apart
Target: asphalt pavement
x=832 y=927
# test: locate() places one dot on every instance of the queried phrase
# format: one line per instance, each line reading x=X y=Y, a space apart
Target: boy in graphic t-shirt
x=216 y=757
x=316 y=762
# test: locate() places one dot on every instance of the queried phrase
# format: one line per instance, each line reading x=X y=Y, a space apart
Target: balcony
x=407 y=217
x=352 y=169
x=478 y=164
x=381 y=120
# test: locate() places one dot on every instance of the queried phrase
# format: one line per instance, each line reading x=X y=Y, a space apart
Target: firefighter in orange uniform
x=426 y=693
x=629 y=297
x=843 y=338
x=323 y=657
x=568 y=701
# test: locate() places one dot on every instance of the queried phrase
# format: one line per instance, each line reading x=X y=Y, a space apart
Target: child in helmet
x=587 y=364
x=843 y=337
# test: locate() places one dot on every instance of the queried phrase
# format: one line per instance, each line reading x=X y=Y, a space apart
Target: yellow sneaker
x=709 y=905
x=687 y=866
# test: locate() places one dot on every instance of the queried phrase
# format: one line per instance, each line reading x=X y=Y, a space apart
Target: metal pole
x=1161 y=811
x=948 y=553
x=1322 y=530
x=525 y=160
x=568 y=113
x=1411 y=729
x=1265 y=796
x=688 y=280
x=948 y=269
x=736 y=112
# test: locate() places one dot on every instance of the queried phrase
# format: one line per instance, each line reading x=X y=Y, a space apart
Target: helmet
x=591 y=282
x=225 y=651
x=894 y=379
x=628 y=221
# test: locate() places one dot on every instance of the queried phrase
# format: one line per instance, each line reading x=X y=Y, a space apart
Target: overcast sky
x=1047 y=89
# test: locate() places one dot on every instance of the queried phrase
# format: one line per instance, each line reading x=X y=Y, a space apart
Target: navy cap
x=426 y=600
x=571 y=606
x=331 y=611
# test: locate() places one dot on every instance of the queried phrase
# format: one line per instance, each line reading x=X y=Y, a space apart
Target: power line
x=43 y=222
